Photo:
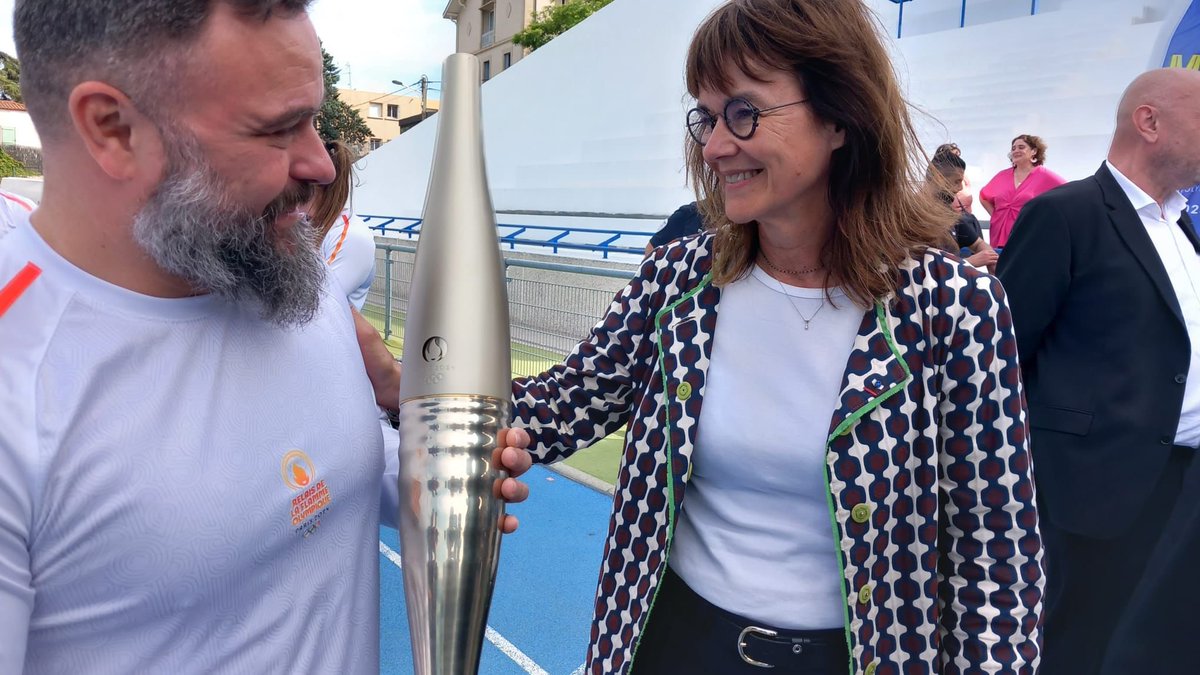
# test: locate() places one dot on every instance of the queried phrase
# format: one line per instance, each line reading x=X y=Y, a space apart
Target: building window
x=393 y=111
x=488 y=36
x=375 y=143
x=487 y=70
x=9 y=135
x=507 y=60
x=375 y=110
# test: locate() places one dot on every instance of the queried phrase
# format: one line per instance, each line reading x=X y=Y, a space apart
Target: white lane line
x=510 y=650
x=390 y=554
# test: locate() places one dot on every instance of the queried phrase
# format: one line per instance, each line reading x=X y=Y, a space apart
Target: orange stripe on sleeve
x=341 y=239
x=18 y=201
x=17 y=287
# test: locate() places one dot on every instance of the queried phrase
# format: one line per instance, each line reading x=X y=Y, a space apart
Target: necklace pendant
x=806 y=324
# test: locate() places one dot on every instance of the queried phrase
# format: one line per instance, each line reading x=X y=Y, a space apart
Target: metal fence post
x=387 y=297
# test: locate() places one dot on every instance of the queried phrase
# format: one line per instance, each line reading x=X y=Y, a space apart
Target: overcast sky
x=373 y=41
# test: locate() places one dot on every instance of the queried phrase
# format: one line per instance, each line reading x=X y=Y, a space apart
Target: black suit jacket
x=1104 y=351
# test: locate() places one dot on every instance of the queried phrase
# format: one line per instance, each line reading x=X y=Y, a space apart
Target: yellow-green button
x=871 y=667
x=861 y=513
x=684 y=391
x=864 y=594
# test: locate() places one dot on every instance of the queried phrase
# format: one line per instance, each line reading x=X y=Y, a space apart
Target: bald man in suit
x=1102 y=276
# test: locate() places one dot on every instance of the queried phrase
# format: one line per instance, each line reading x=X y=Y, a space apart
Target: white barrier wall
x=593 y=122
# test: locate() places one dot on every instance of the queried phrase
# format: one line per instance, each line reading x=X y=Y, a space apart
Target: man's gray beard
x=193 y=230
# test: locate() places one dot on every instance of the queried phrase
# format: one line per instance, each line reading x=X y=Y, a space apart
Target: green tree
x=556 y=20
x=10 y=76
x=10 y=166
x=336 y=120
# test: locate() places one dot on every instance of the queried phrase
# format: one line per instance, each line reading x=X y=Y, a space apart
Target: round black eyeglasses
x=741 y=118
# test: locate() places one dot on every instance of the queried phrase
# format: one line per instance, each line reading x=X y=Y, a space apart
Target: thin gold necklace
x=796 y=273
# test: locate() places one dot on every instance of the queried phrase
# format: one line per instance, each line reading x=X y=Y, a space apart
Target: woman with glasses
x=826 y=468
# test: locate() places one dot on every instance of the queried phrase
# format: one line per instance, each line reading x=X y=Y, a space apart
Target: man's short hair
x=134 y=45
x=945 y=174
x=946 y=161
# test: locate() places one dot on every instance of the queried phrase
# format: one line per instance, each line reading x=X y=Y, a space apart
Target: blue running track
x=542 y=608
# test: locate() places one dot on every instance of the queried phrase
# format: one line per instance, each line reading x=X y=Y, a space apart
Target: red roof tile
x=12 y=105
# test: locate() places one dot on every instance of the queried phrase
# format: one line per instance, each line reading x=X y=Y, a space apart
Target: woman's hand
x=511 y=453
x=985 y=258
x=512 y=456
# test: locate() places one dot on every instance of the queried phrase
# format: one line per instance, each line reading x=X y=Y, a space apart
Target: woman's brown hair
x=1038 y=145
x=833 y=47
x=331 y=199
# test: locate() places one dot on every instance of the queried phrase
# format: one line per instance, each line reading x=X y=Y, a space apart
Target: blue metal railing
x=962 y=14
x=553 y=237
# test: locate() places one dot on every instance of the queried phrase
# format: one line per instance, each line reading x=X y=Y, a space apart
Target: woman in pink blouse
x=1008 y=191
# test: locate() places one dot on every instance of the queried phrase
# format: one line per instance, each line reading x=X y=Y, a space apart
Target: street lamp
x=424 y=82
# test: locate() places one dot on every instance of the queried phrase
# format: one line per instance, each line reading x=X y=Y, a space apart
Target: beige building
x=485 y=29
x=387 y=115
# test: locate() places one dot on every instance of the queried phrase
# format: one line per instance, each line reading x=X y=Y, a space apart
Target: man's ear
x=1145 y=120
x=121 y=139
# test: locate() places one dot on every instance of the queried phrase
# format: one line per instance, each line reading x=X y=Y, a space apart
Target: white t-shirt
x=349 y=251
x=13 y=209
x=755 y=535
x=184 y=488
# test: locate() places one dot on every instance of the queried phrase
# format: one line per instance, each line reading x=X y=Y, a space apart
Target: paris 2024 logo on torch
x=435 y=349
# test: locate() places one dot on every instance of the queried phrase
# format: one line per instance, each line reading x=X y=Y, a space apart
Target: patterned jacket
x=930 y=489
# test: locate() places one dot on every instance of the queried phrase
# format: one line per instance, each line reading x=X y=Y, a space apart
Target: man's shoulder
x=1076 y=192
x=685 y=221
x=31 y=305
x=1073 y=204
x=22 y=278
x=20 y=243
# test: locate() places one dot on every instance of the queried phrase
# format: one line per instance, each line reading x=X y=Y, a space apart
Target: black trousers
x=1104 y=595
x=1160 y=626
x=687 y=634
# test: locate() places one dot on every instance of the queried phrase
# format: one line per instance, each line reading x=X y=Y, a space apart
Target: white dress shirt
x=1182 y=263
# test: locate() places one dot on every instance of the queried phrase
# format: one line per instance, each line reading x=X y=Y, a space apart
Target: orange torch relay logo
x=298 y=471
x=314 y=498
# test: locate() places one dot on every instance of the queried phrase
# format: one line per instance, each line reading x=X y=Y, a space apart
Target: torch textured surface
x=454 y=395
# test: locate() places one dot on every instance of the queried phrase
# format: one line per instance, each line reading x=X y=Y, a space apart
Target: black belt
x=756 y=643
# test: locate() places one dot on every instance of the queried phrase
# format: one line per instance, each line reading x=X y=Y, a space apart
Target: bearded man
x=191 y=469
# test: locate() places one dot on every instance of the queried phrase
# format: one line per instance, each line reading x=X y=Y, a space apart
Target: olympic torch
x=454 y=395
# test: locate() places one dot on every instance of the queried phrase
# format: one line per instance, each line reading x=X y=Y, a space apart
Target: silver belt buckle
x=742 y=644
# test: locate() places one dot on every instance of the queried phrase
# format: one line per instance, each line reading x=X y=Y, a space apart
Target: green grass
x=601 y=460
